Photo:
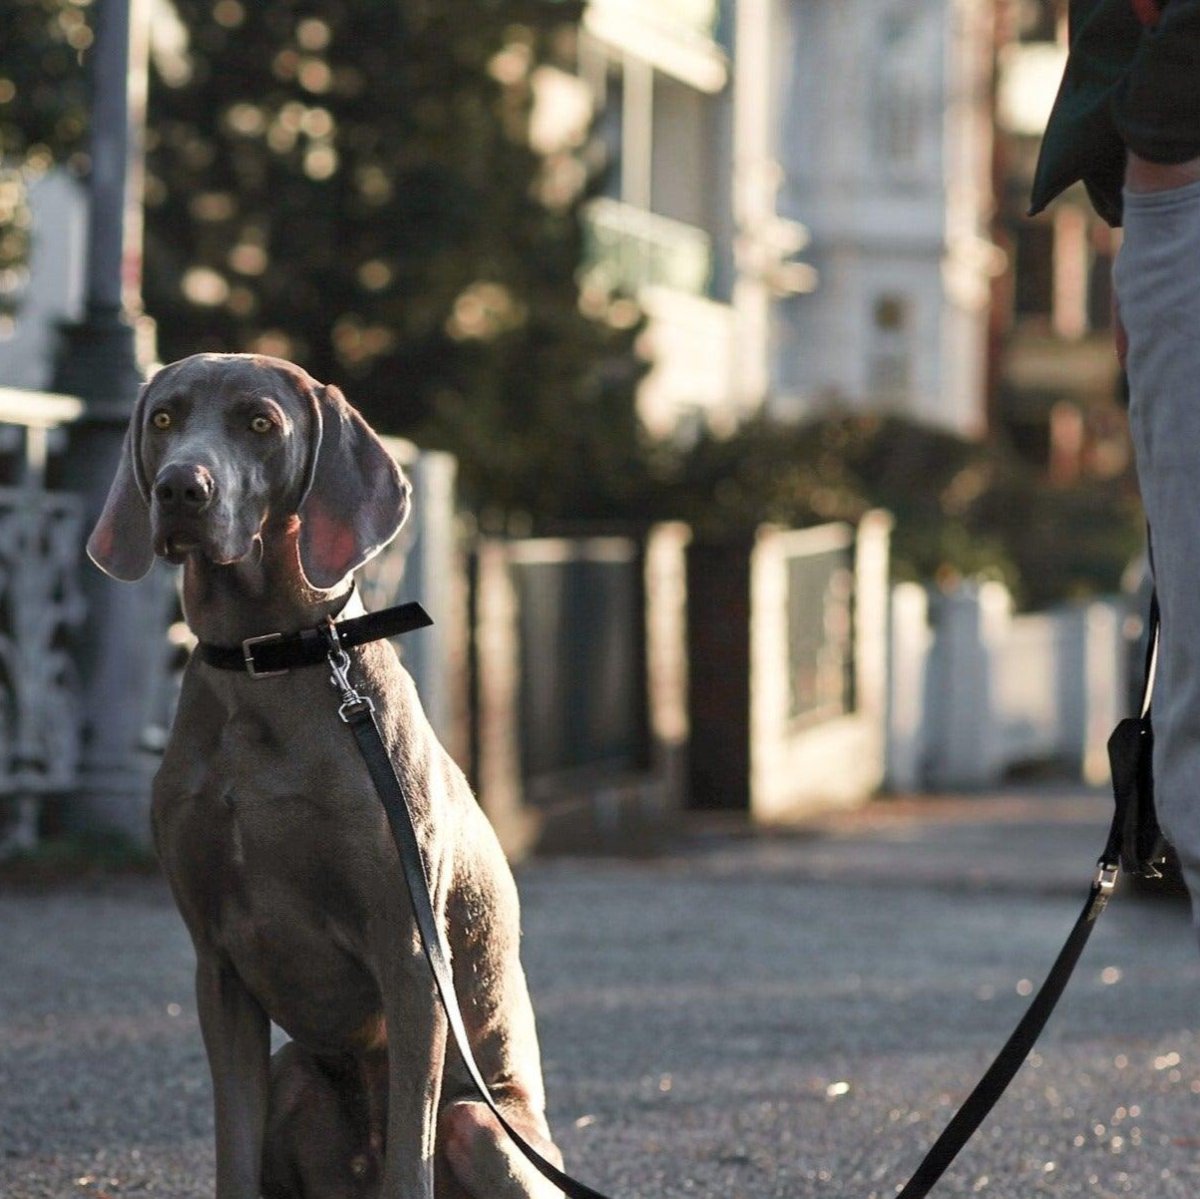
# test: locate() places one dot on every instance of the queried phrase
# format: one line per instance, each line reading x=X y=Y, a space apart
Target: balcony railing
x=684 y=18
x=628 y=249
x=696 y=16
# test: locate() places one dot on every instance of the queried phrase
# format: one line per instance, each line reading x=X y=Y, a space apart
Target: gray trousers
x=1157 y=279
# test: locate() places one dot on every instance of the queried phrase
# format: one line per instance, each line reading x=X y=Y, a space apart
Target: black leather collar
x=277 y=653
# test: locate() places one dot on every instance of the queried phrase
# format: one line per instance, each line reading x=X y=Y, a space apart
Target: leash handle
x=358 y=712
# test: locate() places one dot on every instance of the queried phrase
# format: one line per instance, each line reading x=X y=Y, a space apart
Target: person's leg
x=1158 y=292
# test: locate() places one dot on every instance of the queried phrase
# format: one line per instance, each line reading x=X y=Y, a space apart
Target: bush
x=961 y=507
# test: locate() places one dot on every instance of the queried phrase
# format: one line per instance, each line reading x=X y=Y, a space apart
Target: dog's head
x=223 y=446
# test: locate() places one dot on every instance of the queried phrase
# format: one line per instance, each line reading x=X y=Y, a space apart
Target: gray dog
x=271 y=490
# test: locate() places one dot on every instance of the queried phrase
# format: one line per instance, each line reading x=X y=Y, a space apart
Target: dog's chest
x=274 y=764
x=269 y=841
x=262 y=802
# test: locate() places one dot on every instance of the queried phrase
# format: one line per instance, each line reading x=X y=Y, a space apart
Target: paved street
x=789 y=1015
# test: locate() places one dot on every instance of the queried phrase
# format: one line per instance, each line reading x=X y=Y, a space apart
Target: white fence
x=976 y=690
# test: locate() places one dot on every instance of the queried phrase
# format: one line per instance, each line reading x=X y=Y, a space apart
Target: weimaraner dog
x=271 y=490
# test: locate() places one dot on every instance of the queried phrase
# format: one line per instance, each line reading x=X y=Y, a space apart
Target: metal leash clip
x=339 y=665
x=1103 y=885
x=1106 y=875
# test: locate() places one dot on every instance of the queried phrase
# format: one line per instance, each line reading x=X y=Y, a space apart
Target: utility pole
x=120 y=647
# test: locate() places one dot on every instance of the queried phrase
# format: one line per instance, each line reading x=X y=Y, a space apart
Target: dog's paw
x=486 y=1162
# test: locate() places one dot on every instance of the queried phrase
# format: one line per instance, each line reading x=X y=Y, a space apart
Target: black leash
x=1129 y=844
x=1133 y=843
x=359 y=713
x=1009 y=1060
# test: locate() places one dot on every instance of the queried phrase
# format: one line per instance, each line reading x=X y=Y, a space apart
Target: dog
x=270 y=490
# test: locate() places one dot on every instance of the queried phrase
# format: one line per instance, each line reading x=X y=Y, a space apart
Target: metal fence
x=558 y=669
x=41 y=608
x=582 y=680
x=820 y=621
x=787 y=638
x=577 y=685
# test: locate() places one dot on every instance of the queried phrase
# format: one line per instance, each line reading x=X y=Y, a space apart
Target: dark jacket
x=1125 y=85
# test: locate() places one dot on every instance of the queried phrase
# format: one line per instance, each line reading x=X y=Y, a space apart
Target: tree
x=42 y=116
x=351 y=184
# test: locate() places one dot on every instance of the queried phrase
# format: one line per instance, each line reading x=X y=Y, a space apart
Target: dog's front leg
x=237 y=1036
x=416 y=1057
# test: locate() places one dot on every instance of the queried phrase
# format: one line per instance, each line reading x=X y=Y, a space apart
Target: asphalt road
x=744 y=1017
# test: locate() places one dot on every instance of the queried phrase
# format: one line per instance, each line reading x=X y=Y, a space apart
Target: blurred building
x=803 y=196
x=1056 y=376
x=800 y=198
x=885 y=136
x=660 y=77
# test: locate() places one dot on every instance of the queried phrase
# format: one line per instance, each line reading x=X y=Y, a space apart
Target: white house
x=800 y=201
x=659 y=73
x=885 y=139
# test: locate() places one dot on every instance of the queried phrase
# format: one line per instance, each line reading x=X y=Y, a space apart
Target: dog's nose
x=184 y=489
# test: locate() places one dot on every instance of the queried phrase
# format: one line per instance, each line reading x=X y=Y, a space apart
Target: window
x=890 y=365
x=901 y=79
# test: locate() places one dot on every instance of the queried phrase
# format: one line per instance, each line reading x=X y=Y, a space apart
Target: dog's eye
x=262 y=424
x=161 y=419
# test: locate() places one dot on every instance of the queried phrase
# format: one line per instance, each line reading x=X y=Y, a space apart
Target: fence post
x=908 y=719
x=1105 y=667
x=718 y=638
x=963 y=733
x=496 y=681
x=666 y=654
x=432 y=576
x=872 y=565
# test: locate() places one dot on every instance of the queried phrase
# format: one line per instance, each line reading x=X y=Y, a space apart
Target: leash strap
x=1150 y=669
x=1001 y=1072
x=1009 y=1060
x=359 y=713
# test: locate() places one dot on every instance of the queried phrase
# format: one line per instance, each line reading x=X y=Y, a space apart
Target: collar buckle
x=248 y=656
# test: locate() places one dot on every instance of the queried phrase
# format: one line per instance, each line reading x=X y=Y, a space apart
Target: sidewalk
x=1042 y=839
x=751 y=1016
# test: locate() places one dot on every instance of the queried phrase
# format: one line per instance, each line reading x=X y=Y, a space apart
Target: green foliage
x=42 y=116
x=961 y=507
x=16 y=221
x=1064 y=542
x=42 y=90
x=351 y=185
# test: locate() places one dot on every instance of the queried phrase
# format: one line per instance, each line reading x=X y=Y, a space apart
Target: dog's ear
x=122 y=544
x=356 y=498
